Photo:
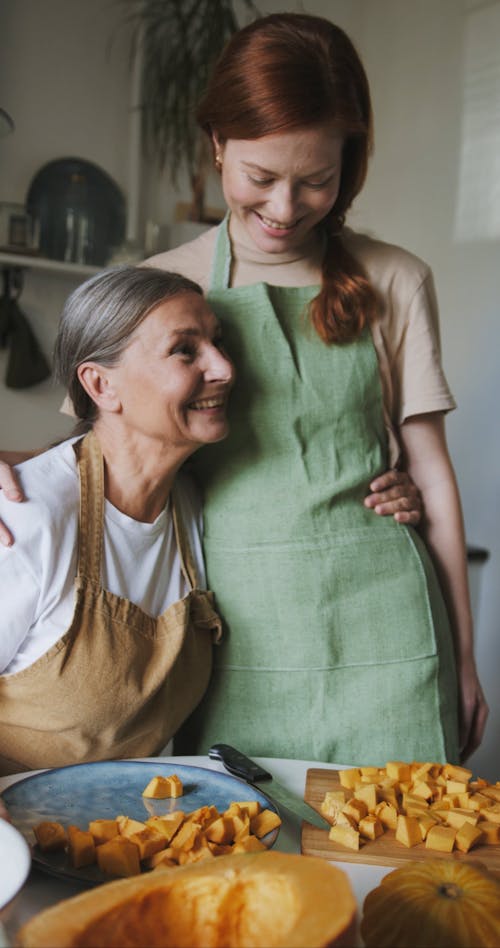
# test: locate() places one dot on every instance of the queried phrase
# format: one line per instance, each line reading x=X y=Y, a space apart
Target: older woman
x=107 y=626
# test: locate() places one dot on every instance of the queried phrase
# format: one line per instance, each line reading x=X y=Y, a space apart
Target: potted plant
x=178 y=42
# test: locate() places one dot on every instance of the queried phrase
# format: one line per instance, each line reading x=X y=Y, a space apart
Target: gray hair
x=99 y=318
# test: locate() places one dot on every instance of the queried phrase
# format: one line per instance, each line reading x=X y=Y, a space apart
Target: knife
x=240 y=766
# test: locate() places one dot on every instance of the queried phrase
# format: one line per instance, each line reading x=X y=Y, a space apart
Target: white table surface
x=42 y=890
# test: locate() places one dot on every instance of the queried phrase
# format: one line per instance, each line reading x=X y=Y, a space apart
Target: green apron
x=337 y=645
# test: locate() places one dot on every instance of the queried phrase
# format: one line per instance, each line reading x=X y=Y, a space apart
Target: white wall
x=434 y=70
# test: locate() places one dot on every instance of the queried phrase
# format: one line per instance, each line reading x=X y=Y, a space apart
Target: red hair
x=289 y=71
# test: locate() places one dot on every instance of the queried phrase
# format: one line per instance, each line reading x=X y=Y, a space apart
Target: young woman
x=107 y=625
x=342 y=645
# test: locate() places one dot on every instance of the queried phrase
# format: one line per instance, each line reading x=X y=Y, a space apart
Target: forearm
x=442 y=527
x=443 y=531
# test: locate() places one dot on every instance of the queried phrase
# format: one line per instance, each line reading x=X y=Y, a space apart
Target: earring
x=218 y=162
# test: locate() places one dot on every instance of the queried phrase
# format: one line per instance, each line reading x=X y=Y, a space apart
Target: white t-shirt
x=37 y=574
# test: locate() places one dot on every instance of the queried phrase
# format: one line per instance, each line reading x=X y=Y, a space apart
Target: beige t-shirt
x=406 y=336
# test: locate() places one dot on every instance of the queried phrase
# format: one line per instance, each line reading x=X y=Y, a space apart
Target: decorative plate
x=15 y=864
x=103 y=790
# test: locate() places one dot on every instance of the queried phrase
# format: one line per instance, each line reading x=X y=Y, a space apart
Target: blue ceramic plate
x=105 y=789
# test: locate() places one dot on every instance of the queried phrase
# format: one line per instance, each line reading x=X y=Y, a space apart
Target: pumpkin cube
x=167 y=825
x=454 y=772
x=119 y=857
x=165 y=857
x=389 y=794
x=81 y=847
x=148 y=841
x=398 y=770
x=345 y=835
x=408 y=831
x=422 y=789
x=158 y=788
x=332 y=804
x=468 y=836
x=370 y=826
x=128 y=826
x=50 y=836
x=441 y=838
x=103 y=830
x=490 y=831
x=264 y=822
x=249 y=845
x=493 y=813
x=355 y=809
x=425 y=822
x=368 y=794
x=252 y=807
x=458 y=817
x=221 y=831
x=387 y=814
x=186 y=836
x=349 y=778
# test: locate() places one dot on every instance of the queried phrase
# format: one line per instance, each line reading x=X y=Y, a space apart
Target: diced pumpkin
x=119 y=857
x=158 y=788
x=167 y=825
x=408 y=831
x=81 y=847
x=50 y=836
x=355 y=809
x=349 y=778
x=490 y=831
x=345 y=835
x=398 y=770
x=467 y=837
x=441 y=838
x=264 y=822
x=103 y=830
x=148 y=841
x=370 y=827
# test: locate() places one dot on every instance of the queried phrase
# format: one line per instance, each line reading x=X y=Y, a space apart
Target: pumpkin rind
x=267 y=900
x=437 y=903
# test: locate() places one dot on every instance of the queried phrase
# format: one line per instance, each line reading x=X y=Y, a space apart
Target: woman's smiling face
x=173 y=379
x=282 y=185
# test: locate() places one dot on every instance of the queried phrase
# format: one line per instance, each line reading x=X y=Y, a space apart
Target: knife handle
x=239 y=765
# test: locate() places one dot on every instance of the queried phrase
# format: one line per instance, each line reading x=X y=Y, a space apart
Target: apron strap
x=221 y=266
x=188 y=563
x=90 y=533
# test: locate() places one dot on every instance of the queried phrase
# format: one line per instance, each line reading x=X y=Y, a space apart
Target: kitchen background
x=67 y=80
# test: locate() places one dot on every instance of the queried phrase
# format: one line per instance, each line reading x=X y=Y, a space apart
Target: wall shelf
x=32 y=262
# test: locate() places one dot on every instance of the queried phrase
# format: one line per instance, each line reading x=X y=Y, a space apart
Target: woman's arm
x=428 y=463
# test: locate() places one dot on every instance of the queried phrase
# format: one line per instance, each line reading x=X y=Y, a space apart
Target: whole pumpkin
x=256 y=900
x=435 y=903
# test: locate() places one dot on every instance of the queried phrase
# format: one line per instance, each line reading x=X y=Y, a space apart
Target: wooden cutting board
x=384 y=851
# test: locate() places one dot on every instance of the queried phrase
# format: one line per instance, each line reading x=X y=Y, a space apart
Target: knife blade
x=240 y=766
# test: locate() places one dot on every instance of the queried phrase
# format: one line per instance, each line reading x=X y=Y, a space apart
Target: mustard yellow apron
x=337 y=646
x=119 y=683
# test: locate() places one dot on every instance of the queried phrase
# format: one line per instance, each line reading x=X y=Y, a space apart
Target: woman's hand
x=4 y=813
x=473 y=709
x=395 y=494
x=12 y=491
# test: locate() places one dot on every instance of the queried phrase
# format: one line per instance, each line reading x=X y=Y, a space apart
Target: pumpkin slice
x=271 y=899
x=436 y=903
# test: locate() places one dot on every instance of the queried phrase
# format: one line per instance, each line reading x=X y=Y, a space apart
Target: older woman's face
x=174 y=378
x=280 y=186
